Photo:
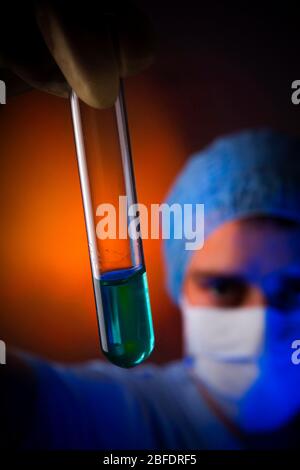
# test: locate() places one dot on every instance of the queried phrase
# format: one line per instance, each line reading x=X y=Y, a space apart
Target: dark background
x=219 y=68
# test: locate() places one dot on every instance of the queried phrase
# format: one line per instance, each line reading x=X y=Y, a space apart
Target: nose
x=255 y=297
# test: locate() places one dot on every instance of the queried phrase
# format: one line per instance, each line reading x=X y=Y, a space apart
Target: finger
x=24 y=52
x=82 y=47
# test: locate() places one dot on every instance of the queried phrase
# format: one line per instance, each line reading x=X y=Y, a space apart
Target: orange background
x=46 y=292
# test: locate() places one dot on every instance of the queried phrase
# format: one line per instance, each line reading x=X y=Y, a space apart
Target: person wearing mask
x=236 y=386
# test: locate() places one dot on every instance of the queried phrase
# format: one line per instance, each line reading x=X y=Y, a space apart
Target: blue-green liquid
x=124 y=316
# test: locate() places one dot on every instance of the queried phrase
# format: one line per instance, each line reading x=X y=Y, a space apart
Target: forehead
x=249 y=246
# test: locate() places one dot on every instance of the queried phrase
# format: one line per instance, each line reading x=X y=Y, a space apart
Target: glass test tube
x=116 y=252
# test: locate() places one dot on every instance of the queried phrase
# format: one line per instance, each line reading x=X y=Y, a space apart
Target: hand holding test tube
x=56 y=46
x=88 y=48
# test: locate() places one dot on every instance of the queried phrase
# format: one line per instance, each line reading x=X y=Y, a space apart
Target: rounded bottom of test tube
x=124 y=315
x=127 y=361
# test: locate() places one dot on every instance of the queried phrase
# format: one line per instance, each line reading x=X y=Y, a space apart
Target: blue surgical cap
x=253 y=172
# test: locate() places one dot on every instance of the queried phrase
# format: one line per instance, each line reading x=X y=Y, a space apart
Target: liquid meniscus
x=124 y=316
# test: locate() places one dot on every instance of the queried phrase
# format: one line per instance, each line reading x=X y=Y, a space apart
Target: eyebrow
x=218 y=274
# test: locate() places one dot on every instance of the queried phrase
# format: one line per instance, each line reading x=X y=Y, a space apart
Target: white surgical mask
x=240 y=354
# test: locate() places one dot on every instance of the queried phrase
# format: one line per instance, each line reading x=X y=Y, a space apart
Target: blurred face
x=241 y=313
x=253 y=262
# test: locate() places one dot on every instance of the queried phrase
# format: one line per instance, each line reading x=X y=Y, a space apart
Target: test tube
x=115 y=246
